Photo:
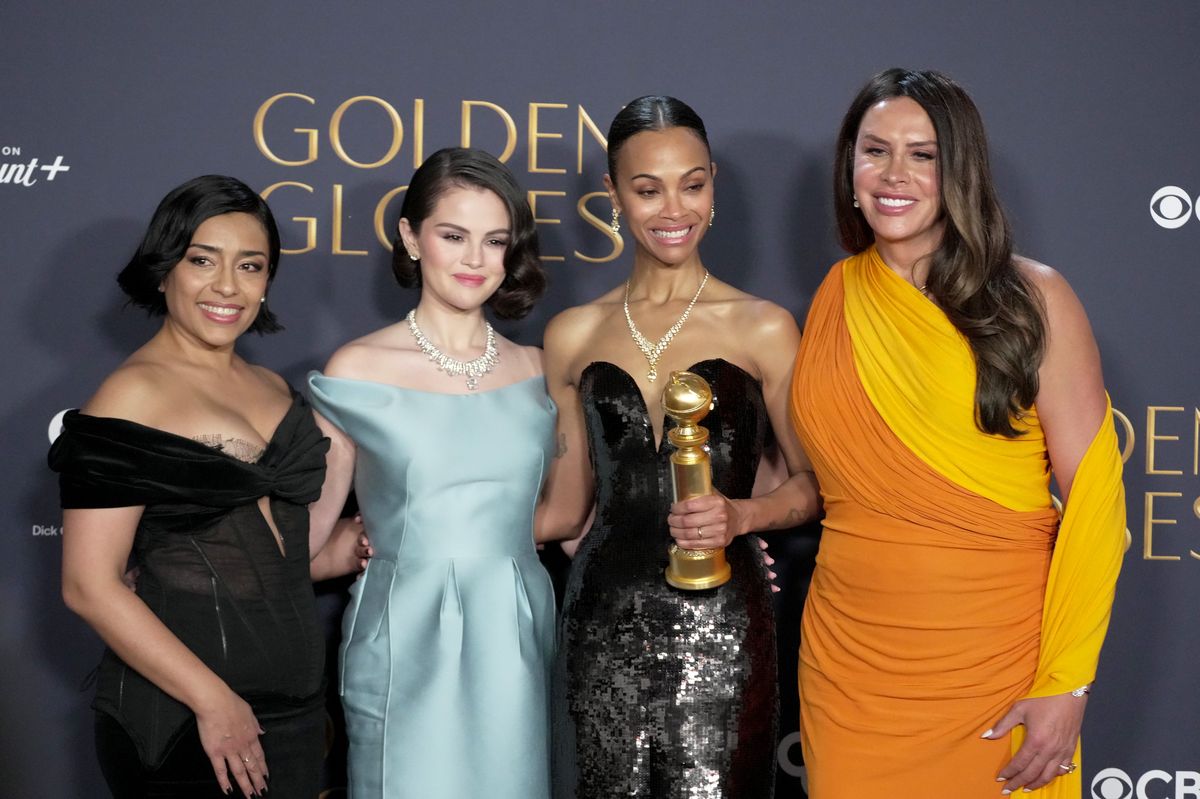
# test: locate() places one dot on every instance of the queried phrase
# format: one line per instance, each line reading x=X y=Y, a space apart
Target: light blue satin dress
x=448 y=641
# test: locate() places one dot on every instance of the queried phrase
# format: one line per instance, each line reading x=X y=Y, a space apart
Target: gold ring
x=1069 y=767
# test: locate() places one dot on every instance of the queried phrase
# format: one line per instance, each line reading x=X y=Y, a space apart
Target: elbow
x=76 y=597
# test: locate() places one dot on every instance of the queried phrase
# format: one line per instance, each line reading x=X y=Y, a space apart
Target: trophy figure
x=687 y=398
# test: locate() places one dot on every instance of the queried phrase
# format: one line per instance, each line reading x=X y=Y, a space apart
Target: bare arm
x=793 y=501
x=1071 y=404
x=567 y=495
x=333 y=554
x=96 y=546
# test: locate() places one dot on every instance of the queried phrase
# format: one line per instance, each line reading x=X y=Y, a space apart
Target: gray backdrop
x=1093 y=114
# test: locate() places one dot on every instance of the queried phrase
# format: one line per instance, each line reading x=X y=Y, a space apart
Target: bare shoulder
x=766 y=322
x=271 y=379
x=359 y=359
x=1062 y=306
x=135 y=391
x=575 y=325
x=529 y=360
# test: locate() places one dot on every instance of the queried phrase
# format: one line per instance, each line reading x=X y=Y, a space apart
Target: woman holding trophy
x=660 y=690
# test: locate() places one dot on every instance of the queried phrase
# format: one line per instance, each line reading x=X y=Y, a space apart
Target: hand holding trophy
x=687 y=398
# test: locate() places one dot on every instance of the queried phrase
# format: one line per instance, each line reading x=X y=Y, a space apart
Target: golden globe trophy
x=687 y=398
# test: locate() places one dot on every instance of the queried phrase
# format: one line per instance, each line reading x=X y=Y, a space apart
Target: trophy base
x=697 y=569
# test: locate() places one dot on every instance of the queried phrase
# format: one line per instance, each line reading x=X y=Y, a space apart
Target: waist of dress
x=420 y=555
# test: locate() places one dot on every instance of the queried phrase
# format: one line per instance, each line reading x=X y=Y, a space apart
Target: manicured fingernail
x=1005 y=792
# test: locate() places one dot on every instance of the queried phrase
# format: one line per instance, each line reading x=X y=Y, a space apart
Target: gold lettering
x=533 y=195
x=1123 y=423
x=1152 y=437
x=260 y=138
x=380 y=210
x=618 y=243
x=583 y=120
x=418 y=133
x=338 y=249
x=310 y=222
x=1148 y=529
x=510 y=127
x=535 y=135
x=1196 y=445
x=335 y=131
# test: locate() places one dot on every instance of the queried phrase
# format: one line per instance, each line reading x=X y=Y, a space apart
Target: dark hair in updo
x=466 y=167
x=971 y=273
x=652 y=112
x=170 y=233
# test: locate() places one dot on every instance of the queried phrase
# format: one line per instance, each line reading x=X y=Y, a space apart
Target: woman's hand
x=1052 y=725
x=346 y=551
x=229 y=735
x=704 y=522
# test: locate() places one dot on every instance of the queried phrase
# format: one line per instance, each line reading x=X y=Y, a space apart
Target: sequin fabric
x=664 y=693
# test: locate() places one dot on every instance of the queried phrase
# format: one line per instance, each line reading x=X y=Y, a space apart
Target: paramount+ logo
x=1171 y=207
x=1113 y=783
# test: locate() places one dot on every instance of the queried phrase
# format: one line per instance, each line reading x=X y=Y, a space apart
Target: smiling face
x=896 y=178
x=664 y=189
x=213 y=294
x=461 y=245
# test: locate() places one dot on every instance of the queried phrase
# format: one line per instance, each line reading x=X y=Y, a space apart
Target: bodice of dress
x=629 y=537
x=469 y=466
x=209 y=565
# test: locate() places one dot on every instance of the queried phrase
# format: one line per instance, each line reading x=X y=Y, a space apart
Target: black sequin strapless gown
x=664 y=693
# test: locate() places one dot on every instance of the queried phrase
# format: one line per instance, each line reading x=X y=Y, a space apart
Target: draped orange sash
x=945 y=588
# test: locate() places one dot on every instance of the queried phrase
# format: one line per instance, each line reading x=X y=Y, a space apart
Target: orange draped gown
x=947 y=587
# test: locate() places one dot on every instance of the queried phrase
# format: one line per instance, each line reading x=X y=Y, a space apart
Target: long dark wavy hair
x=524 y=280
x=971 y=274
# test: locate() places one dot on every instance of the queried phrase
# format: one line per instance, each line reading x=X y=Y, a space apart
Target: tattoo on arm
x=562 y=446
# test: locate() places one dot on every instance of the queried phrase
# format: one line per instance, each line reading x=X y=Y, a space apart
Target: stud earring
x=712 y=214
x=161 y=289
x=616 y=222
x=412 y=257
x=262 y=299
x=856 y=203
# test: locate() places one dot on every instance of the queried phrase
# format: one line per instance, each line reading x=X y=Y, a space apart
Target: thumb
x=1002 y=727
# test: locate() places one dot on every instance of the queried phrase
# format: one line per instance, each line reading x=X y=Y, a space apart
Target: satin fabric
x=945 y=588
x=449 y=636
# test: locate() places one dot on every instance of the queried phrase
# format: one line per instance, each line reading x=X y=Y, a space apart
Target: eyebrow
x=656 y=177
x=462 y=229
x=929 y=143
x=211 y=248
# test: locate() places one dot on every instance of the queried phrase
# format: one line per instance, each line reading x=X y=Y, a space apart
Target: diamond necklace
x=653 y=353
x=452 y=366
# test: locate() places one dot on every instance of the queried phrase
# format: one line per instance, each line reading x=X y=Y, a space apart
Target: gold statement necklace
x=655 y=351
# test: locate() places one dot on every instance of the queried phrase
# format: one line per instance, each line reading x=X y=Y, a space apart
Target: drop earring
x=712 y=214
x=856 y=203
x=616 y=222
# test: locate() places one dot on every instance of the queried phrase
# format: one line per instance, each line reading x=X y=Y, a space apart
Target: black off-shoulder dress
x=211 y=569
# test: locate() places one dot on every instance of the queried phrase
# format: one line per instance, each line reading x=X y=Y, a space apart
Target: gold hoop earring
x=615 y=226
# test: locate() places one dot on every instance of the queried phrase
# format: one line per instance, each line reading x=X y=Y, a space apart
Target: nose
x=672 y=205
x=224 y=282
x=895 y=172
x=473 y=255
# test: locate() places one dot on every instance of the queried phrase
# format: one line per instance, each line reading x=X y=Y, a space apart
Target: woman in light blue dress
x=446 y=431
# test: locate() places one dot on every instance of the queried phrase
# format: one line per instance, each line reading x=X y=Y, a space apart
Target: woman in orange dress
x=954 y=620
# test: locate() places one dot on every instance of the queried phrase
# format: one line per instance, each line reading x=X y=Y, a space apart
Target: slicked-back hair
x=971 y=273
x=466 y=167
x=170 y=233
x=651 y=112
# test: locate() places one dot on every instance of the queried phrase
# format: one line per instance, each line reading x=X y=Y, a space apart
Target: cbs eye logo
x=1171 y=207
x=1112 y=783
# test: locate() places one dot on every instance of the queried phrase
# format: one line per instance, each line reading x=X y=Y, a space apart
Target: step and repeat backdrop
x=1093 y=110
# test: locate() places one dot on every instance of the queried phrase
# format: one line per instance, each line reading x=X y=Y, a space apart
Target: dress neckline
x=662 y=436
x=382 y=384
x=283 y=424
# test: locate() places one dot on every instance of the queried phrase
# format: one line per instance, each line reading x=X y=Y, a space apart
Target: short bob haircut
x=465 y=167
x=651 y=112
x=170 y=233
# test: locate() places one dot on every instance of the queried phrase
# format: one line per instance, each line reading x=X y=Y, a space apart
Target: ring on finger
x=699 y=532
x=245 y=759
x=1069 y=768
